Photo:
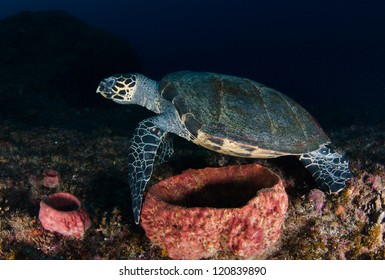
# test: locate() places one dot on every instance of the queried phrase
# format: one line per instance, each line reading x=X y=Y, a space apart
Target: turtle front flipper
x=165 y=150
x=142 y=153
x=329 y=169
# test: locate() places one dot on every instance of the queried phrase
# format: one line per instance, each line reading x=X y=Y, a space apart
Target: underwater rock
x=65 y=214
x=235 y=209
x=51 y=62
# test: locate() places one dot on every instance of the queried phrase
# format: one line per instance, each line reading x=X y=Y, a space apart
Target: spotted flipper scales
x=142 y=153
x=165 y=150
x=329 y=169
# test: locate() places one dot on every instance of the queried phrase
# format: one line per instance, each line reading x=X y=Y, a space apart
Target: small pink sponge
x=51 y=178
x=65 y=214
x=234 y=209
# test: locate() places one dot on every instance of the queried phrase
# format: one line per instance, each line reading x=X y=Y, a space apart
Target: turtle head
x=131 y=89
x=120 y=88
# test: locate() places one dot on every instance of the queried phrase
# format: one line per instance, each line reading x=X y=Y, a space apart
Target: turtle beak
x=104 y=90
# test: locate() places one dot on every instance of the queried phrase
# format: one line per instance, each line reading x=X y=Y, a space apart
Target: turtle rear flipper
x=329 y=169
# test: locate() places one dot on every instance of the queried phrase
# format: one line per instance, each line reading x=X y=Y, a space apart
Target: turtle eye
x=110 y=82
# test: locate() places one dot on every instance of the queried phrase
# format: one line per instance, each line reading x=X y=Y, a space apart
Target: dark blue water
x=328 y=55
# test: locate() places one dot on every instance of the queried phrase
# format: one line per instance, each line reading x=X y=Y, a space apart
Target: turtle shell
x=240 y=117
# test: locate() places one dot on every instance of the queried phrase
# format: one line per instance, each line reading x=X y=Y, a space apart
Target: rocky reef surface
x=55 y=136
x=92 y=166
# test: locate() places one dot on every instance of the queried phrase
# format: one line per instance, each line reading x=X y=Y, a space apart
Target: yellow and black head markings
x=118 y=87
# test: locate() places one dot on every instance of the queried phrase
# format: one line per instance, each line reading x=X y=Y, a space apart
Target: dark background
x=327 y=55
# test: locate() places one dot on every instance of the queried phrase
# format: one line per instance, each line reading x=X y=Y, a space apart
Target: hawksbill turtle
x=227 y=114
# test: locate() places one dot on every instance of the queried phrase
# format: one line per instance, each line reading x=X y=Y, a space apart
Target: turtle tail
x=329 y=169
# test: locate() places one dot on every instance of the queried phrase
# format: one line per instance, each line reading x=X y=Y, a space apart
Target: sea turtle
x=227 y=114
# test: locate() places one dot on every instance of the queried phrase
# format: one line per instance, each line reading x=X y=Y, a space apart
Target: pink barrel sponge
x=234 y=209
x=64 y=213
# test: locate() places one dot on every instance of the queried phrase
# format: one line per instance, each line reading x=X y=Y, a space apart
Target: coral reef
x=65 y=214
x=349 y=225
x=237 y=209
